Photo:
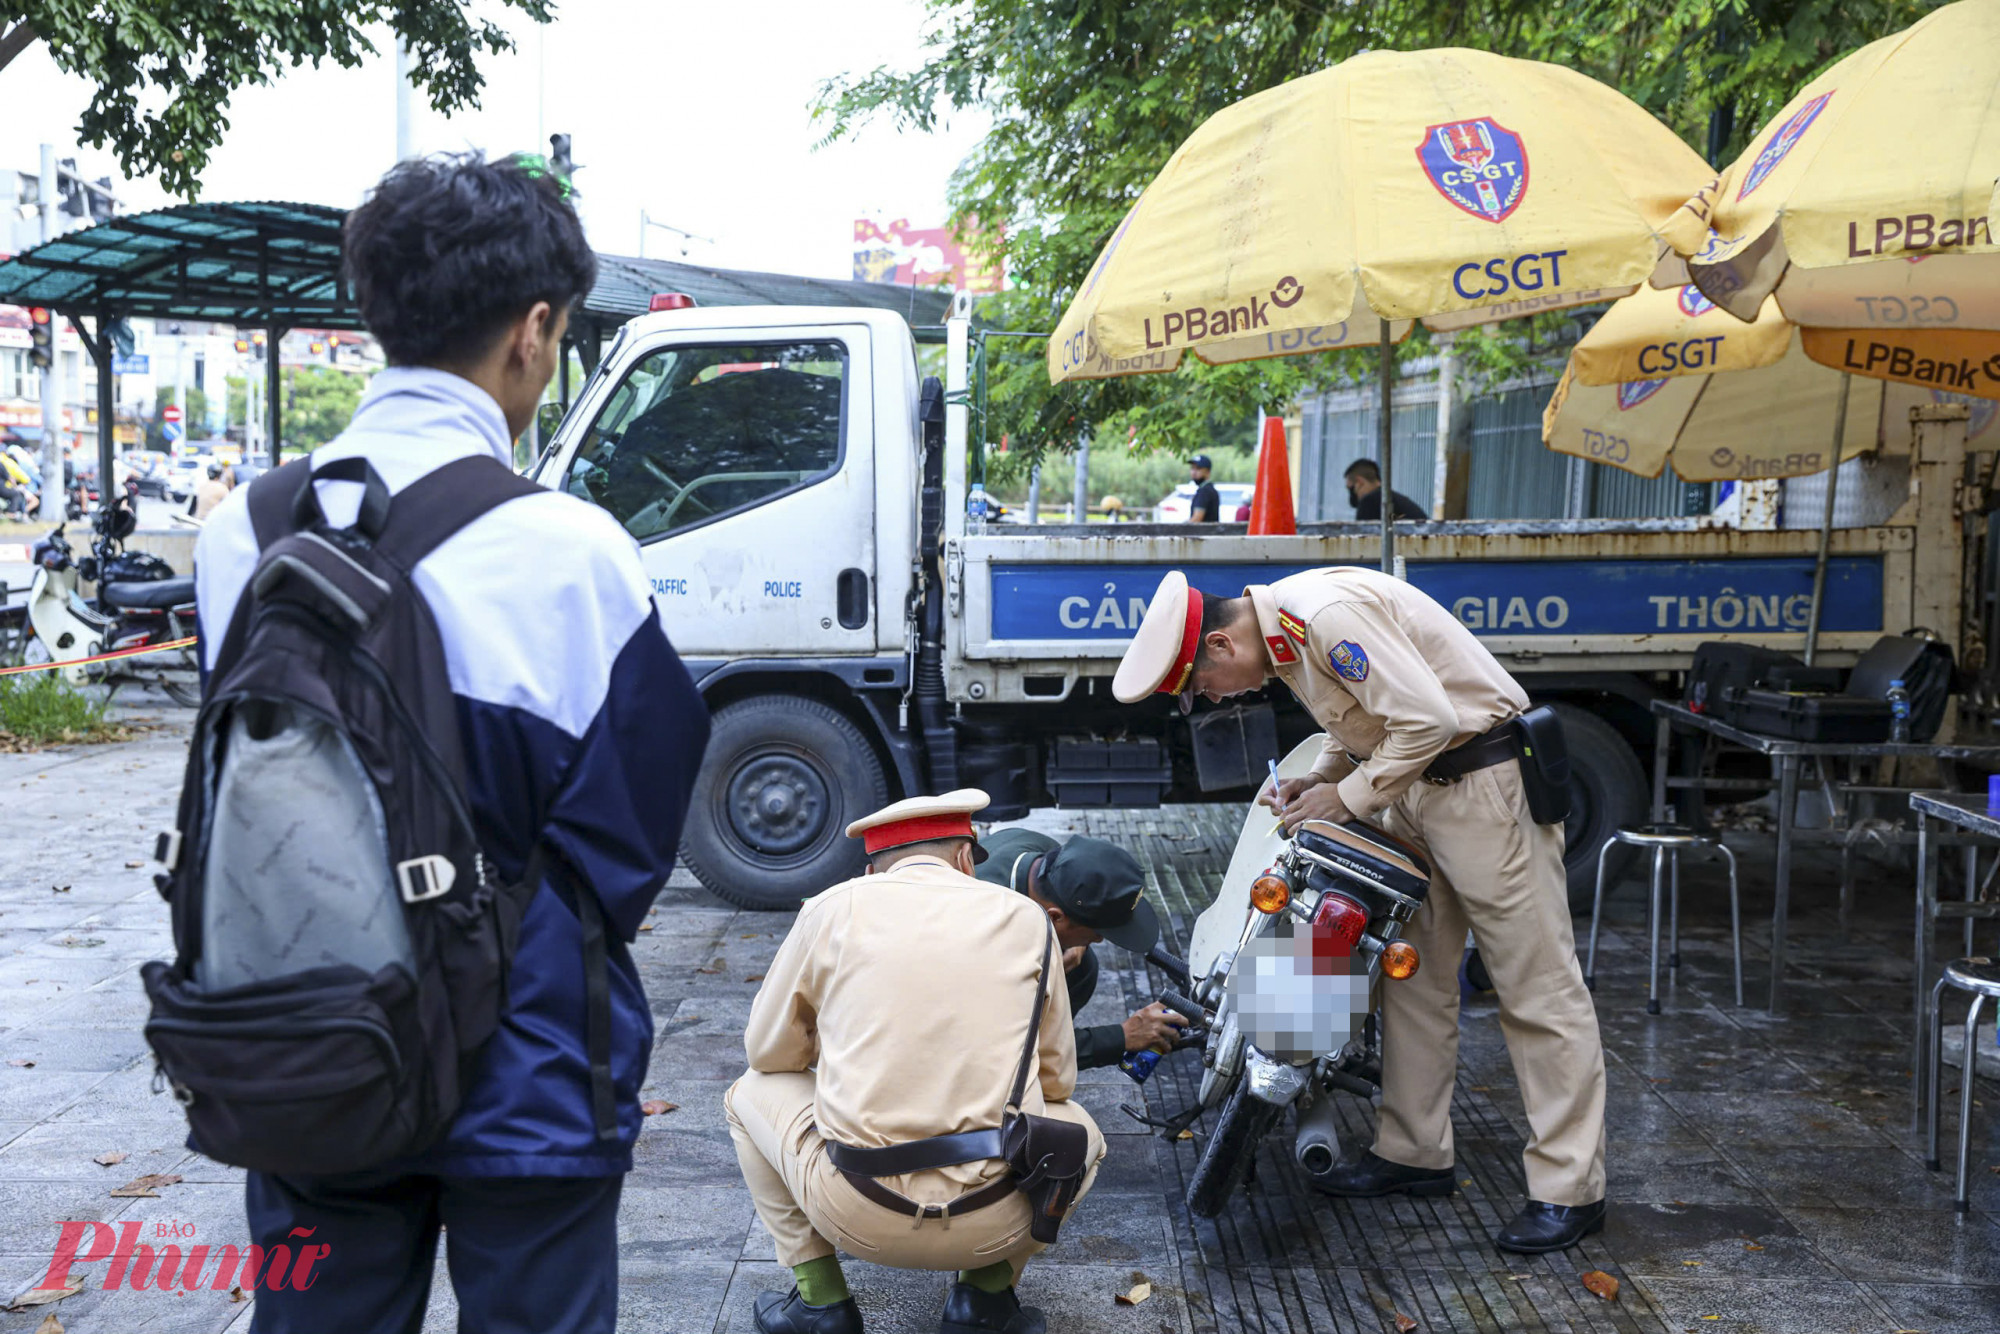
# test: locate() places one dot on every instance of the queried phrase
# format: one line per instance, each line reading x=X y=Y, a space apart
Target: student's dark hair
x=449 y=250
x=1364 y=468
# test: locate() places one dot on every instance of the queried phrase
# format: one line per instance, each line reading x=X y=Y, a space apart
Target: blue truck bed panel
x=1033 y=601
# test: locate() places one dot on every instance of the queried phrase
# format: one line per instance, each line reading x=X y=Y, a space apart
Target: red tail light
x=1337 y=925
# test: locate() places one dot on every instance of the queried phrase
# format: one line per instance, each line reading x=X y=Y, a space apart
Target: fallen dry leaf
x=1692 y=1264
x=754 y=977
x=142 y=1188
x=49 y=1325
x=72 y=1285
x=658 y=1107
x=1404 y=1324
x=22 y=1061
x=714 y=966
x=1185 y=1134
x=1601 y=1285
x=110 y=1159
x=645 y=926
x=133 y=866
x=236 y=1295
x=1753 y=1246
x=1139 y=1293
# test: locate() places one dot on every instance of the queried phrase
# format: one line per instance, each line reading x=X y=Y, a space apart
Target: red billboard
x=909 y=256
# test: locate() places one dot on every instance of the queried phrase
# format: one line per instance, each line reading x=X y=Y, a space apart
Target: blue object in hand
x=1139 y=1065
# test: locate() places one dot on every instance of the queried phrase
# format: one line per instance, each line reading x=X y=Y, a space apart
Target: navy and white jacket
x=578 y=721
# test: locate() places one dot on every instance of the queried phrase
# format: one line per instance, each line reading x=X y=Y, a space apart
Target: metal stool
x=1980 y=977
x=1667 y=841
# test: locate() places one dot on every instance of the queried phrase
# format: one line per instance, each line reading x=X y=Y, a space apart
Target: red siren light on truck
x=671 y=301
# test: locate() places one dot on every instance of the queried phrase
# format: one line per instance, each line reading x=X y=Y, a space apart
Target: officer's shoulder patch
x=1282 y=651
x=1348 y=660
x=1292 y=626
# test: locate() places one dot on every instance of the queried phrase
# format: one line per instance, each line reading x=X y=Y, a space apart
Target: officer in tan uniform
x=898 y=1010
x=1420 y=737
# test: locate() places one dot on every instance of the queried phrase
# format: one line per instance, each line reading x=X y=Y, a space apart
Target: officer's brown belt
x=862 y=1166
x=1501 y=744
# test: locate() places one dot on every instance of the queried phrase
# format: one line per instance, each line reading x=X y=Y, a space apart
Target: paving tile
x=1905 y=1245
x=1841 y=1178
x=102 y=1050
x=1776 y=1118
x=1938 y=1308
x=1764 y=1306
x=1713 y=1240
x=1670 y=1173
x=64 y=1152
x=683 y=1222
x=671 y=1296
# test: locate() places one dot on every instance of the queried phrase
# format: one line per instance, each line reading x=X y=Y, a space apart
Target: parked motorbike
x=140 y=601
x=1283 y=968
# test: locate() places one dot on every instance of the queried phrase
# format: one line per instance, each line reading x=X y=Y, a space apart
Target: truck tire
x=1226 y=1155
x=1607 y=789
x=783 y=778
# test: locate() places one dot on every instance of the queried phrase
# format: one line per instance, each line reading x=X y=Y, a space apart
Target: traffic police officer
x=1411 y=702
x=895 y=1011
x=1092 y=890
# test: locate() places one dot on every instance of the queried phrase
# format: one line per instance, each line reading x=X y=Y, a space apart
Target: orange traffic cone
x=1271 y=513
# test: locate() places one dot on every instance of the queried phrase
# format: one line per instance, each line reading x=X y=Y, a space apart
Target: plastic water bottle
x=1899 y=711
x=1139 y=1065
x=975 y=510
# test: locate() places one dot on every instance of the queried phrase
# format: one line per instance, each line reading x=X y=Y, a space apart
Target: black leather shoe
x=1540 y=1228
x=1368 y=1176
x=789 y=1313
x=970 y=1310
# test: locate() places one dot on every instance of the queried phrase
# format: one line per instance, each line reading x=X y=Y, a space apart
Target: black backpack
x=342 y=943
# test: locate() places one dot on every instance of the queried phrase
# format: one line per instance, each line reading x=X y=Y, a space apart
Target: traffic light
x=41 y=337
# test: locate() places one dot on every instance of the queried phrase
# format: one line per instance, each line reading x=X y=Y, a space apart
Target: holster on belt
x=1046 y=1158
x=1536 y=739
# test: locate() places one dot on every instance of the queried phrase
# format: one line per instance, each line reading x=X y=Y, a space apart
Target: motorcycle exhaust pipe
x=1317 y=1147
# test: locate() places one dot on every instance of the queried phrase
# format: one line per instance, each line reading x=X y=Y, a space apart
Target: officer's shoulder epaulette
x=1292 y=625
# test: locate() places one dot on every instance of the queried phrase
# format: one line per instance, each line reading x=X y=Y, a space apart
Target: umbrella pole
x=1826 y=521
x=1388 y=375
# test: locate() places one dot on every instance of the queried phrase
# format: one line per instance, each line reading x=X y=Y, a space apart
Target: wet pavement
x=1765 y=1178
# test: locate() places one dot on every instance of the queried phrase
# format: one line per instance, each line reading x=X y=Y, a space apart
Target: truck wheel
x=783 y=778
x=1607 y=788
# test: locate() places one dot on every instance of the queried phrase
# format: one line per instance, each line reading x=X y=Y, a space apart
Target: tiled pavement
x=1764 y=1178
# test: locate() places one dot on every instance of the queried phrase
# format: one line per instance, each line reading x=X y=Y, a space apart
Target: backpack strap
x=274 y=500
x=427 y=512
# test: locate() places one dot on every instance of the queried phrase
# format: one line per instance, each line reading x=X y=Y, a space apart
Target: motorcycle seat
x=1367 y=855
x=149 y=593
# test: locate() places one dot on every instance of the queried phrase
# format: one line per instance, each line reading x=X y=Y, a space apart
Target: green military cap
x=1100 y=885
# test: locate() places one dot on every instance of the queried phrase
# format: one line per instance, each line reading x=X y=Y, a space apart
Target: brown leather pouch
x=1049 y=1159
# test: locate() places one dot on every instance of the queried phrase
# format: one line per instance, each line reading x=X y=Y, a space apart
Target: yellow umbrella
x=1330 y=211
x=1865 y=207
x=1667 y=377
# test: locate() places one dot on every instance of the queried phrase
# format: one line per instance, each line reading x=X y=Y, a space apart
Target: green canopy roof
x=271 y=263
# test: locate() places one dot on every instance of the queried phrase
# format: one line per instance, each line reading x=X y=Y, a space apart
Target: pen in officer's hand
x=1274 y=797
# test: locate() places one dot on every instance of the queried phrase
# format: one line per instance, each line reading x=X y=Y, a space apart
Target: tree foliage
x=164 y=70
x=1088 y=99
x=318 y=403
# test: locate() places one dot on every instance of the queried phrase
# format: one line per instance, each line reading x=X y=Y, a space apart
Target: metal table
x=1970 y=813
x=1789 y=757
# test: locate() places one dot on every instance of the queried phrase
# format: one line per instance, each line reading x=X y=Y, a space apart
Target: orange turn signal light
x=1270 y=893
x=1399 y=959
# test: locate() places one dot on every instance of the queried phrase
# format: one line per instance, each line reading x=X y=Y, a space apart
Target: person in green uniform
x=1092 y=890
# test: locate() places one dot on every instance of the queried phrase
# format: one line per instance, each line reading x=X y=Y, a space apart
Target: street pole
x=1080 y=494
x=1035 y=494
x=1826 y=523
x=52 y=452
x=402 y=101
x=1387 y=369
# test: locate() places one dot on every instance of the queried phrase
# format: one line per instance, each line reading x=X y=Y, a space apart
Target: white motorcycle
x=1283 y=966
x=131 y=613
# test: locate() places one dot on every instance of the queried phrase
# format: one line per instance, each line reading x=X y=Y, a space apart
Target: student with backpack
x=438 y=778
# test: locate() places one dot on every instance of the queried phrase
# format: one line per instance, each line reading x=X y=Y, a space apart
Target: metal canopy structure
x=275 y=266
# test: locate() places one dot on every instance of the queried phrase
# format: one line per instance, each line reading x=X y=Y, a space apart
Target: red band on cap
x=1177 y=676
x=920 y=829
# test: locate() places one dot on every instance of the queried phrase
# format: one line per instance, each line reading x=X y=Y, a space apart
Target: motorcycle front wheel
x=1226 y=1155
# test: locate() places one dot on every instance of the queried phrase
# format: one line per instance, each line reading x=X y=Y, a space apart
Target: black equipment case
x=1720 y=667
x=1800 y=717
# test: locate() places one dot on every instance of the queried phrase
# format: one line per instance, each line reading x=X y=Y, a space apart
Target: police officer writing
x=1425 y=734
x=1364 y=493
x=1206 y=507
x=1092 y=891
x=882 y=1046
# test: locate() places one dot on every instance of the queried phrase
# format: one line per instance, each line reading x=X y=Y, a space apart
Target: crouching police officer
x=899 y=1010
x=1092 y=891
x=1425 y=731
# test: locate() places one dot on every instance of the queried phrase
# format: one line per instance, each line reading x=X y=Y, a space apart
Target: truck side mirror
x=548 y=417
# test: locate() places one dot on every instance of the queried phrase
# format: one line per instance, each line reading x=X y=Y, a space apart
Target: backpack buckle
x=167 y=850
x=425 y=878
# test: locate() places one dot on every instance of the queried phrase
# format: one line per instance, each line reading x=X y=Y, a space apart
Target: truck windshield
x=696 y=432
